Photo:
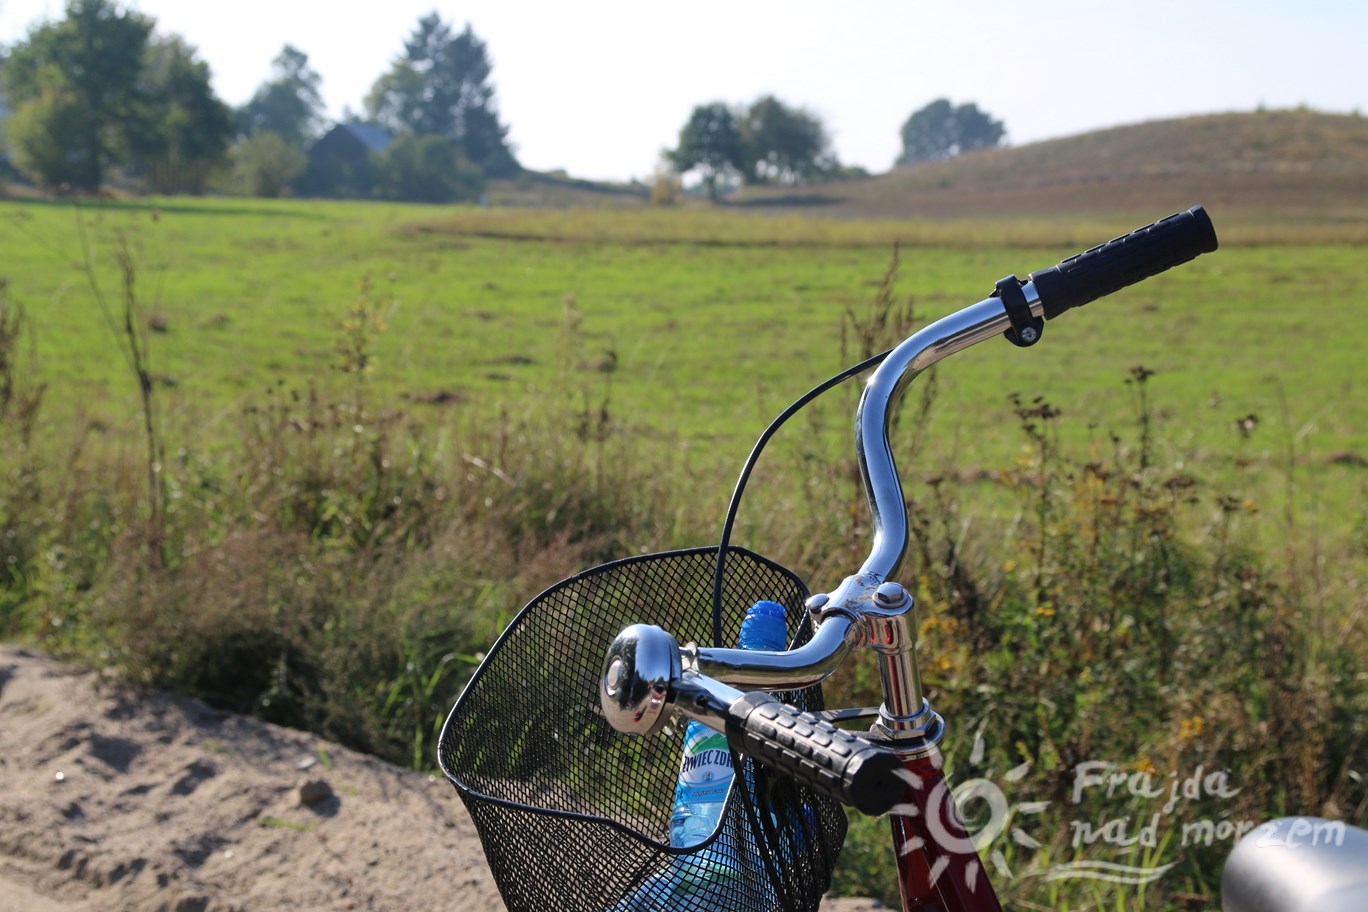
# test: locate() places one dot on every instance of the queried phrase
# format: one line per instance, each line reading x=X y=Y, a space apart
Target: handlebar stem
x=906 y=720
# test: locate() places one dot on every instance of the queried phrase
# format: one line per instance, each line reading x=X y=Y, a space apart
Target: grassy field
x=695 y=344
x=382 y=428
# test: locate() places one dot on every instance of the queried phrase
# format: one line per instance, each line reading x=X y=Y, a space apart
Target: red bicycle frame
x=939 y=869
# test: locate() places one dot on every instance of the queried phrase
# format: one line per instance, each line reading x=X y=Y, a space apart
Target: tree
x=288 y=104
x=711 y=143
x=784 y=145
x=426 y=169
x=769 y=142
x=977 y=130
x=186 y=128
x=265 y=163
x=74 y=87
x=4 y=113
x=941 y=130
x=440 y=87
x=37 y=133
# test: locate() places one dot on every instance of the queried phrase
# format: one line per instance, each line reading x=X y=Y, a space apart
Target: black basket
x=575 y=816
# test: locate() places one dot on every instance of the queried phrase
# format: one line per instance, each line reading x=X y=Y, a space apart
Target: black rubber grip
x=861 y=774
x=1124 y=261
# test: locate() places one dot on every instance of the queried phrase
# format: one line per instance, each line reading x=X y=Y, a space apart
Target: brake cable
x=734 y=506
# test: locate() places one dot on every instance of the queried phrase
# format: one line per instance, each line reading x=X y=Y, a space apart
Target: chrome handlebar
x=941 y=339
x=647 y=673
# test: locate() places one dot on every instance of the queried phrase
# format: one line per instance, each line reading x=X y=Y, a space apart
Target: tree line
x=101 y=93
x=770 y=142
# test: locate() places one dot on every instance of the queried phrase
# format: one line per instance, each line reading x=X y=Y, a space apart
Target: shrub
x=265 y=164
x=426 y=169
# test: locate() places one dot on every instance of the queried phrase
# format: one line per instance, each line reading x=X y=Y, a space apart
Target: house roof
x=369 y=135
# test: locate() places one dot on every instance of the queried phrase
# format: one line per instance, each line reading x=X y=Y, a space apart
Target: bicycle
x=545 y=772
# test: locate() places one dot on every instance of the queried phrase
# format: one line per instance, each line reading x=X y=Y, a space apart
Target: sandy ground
x=116 y=800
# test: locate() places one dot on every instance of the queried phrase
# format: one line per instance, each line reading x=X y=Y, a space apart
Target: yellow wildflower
x=1190 y=728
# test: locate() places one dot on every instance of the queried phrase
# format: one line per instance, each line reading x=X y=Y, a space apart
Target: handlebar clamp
x=1026 y=329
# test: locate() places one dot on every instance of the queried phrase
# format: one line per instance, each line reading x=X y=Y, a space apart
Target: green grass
x=697 y=345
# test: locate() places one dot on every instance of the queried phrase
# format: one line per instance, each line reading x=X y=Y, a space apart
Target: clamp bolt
x=890 y=594
x=1028 y=334
x=816 y=603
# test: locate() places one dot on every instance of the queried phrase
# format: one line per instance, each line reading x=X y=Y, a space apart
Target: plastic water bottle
x=705 y=771
x=705 y=777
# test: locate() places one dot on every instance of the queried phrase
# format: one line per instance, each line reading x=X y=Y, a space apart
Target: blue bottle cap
x=766 y=608
x=764 y=627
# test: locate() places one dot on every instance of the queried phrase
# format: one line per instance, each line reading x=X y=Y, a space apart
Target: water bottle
x=705 y=771
x=705 y=776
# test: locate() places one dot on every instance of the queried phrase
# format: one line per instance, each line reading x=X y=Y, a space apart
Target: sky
x=600 y=88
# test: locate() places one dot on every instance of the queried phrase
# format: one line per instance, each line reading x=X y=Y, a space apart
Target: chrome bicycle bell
x=636 y=688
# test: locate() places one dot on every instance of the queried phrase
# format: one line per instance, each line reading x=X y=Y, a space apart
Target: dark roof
x=369 y=135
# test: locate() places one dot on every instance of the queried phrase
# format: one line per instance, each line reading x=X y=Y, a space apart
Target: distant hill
x=557 y=190
x=1297 y=164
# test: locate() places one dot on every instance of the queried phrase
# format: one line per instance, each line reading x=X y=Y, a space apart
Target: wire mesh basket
x=575 y=816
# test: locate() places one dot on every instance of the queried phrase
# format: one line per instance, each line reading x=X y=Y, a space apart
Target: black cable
x=735 y=505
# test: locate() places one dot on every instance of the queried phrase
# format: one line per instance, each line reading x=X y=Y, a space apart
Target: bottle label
x=706 y=769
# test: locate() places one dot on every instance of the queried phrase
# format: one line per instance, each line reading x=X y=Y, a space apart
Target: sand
x=114 y=799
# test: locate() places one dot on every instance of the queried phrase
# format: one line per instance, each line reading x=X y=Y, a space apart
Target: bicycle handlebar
x=1072 y=282
x=864 y=608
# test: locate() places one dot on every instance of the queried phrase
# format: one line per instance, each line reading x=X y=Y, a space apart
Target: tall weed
x=22 y=536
